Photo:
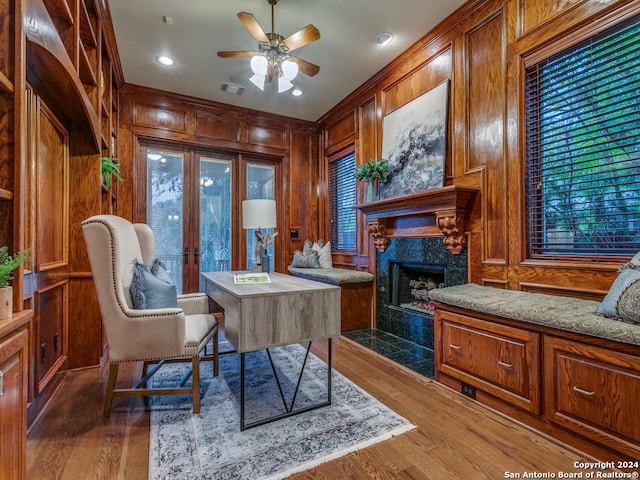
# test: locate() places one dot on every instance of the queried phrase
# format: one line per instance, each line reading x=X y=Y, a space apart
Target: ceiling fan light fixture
x=284 y=84
x=258 y=81
x=289 y=69
x=259 y=65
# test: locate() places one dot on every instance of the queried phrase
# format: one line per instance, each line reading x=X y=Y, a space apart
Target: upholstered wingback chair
x=153 y=336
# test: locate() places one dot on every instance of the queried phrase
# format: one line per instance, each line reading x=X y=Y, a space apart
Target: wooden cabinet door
x=595 y=392
x=50 y=243
x=13 y=406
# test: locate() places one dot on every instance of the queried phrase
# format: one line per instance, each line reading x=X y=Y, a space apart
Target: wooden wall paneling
x=369 y=146
x=6 y=167
x=486 y=123
x=340 y=131
x=217 y=127
x=301 y=180
x=85 y=322
x=534 y=14
x=159 y=117
x=51 y=333
x=266 y=135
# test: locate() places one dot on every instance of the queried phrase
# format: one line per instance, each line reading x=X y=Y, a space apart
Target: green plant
x=109 y=167
x=373 y=170
x=8 y=264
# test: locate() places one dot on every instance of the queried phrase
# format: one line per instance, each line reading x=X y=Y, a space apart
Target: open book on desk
x=259 y=277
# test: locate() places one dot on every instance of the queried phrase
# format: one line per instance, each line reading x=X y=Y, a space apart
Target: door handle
x=196 y=256
x=186 y=255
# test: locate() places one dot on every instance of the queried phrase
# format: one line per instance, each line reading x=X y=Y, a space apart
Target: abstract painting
x=414 y=141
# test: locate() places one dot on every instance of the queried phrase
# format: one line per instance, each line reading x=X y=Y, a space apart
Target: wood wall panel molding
x=155 y=116
x=341 y=130
x=217 y=127
x=266 y=136
x=532 y=15
x=563 y=291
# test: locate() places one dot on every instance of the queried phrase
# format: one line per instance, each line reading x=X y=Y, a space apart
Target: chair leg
x=195 y=377
x=111 y=384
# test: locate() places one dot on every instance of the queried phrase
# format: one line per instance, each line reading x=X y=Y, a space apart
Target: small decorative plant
x=9 y=263
x=373 y=170
x=109 y=167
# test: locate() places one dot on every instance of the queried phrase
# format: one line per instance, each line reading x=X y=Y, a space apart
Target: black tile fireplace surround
x=415 y=265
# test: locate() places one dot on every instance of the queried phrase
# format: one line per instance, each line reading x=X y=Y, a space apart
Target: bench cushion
x=334 y=276
x=564 y=313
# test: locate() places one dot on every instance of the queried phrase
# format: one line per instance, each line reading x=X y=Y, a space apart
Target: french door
x=192 y=204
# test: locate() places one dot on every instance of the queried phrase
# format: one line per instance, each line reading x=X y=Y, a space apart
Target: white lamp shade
x=289 y=69
x=259 y=65
x=284 y=84
x=259 y=213
x=258 y=81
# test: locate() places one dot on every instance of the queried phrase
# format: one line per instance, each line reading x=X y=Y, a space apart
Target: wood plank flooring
x=455 y=438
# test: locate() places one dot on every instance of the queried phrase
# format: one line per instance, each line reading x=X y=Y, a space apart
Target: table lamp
x=259 y=214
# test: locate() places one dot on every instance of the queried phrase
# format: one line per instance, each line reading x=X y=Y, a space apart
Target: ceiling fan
x=273 y=56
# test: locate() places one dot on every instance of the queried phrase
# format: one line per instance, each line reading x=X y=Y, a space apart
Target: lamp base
x=266 y=263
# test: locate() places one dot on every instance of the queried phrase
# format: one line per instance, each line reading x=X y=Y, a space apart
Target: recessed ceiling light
x=165 y=60
x=384 y=38
x=296 y=92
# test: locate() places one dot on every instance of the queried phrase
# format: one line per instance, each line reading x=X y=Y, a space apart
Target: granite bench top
x=564 y=313
x=334 y=276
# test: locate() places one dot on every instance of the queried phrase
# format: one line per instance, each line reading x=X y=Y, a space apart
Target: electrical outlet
x=469 y=390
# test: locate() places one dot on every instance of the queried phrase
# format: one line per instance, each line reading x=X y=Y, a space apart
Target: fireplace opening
x=410 y=283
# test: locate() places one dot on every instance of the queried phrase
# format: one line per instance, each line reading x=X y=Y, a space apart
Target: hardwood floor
x=455 y=438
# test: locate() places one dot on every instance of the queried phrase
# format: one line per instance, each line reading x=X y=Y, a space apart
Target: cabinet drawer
x=595 y=392
x=498 y=359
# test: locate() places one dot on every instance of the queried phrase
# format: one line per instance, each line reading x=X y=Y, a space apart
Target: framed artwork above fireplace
x=414 y=141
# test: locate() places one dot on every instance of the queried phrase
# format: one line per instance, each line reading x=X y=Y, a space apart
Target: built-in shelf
x=448 y=205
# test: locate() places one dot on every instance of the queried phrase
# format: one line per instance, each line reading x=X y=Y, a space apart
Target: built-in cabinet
x=14 y=362
x=581 y=390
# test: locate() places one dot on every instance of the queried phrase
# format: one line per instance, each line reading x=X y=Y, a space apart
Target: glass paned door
x=260 y=185
x=165 y=209
x=215 y=214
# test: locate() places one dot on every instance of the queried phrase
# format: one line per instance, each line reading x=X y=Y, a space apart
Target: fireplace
x=410 y=283
x=413 y=265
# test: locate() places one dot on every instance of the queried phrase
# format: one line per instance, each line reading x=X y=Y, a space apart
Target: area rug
x=210 y=445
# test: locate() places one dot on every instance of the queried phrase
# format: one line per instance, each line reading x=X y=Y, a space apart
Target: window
x=583 y=148
x=342 y=197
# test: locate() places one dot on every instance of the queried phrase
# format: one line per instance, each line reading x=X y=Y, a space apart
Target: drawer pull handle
x=455 y=347
x=504 y=364
x=583 y=392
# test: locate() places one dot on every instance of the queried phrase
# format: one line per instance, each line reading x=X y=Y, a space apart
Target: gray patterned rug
x=210 y=445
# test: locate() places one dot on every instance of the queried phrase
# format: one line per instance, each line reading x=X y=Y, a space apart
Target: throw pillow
x=623 y=300
x=152 y=288
x=324 y=253
x=300 y=260
x=306 y=248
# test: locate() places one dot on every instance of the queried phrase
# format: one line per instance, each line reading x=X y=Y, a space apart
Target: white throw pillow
x=324 y=253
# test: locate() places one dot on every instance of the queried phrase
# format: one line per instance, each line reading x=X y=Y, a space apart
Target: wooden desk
x=260 y=316
x=288 y=310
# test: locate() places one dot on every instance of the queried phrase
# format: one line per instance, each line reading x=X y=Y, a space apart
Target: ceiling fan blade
x=305 y=67
x=232 y=54
x=253 y=26
x=302 y=37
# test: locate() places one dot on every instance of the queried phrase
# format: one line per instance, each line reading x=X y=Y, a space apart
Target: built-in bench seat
x=564 y=313
x=356 y=298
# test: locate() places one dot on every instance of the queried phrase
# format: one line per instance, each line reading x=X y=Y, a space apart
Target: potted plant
x=371 y=172
x=109 y=167
x=8 y=264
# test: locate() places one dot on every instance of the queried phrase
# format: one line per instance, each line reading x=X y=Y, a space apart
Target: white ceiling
x=346 y=52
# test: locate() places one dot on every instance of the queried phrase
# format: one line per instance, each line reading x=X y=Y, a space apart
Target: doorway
x=193 y=204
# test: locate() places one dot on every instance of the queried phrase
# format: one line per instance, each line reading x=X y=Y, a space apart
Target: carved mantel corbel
x=452 y=227
x=378 y=231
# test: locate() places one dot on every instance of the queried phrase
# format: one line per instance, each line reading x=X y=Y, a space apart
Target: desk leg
x=288 y=409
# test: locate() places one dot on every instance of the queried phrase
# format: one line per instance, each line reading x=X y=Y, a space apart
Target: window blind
x=342 y=197
x=583 y=148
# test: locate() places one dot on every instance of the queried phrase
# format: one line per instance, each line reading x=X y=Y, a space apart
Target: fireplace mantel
x=449 y=205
